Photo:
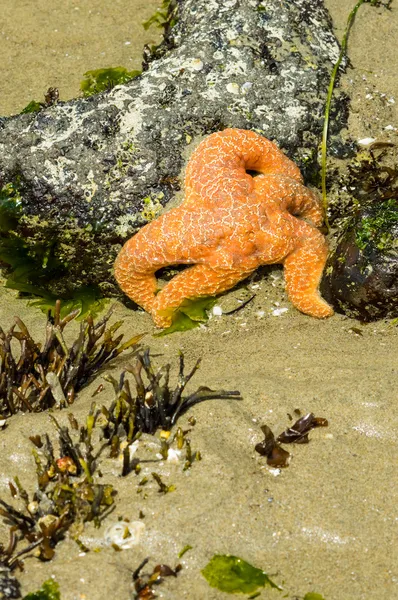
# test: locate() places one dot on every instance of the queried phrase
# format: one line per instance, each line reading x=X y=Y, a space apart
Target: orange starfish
x=229 y=224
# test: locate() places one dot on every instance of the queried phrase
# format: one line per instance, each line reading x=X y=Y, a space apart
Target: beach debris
x=48 y=591
x=66 y=498
x=124 y=534
x=276 y=455
x=234 y=575
x=298 y=432
x=154 y=405
x=50 y=374
x=143 y=583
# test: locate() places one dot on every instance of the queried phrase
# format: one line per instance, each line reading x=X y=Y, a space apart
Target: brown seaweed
x=298 y=432
x=154 y=405
x=276 y=455
x=50 y=375
x=143 y=584
x=66 y=497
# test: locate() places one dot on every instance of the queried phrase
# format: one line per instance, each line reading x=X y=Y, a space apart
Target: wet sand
x=328 y=522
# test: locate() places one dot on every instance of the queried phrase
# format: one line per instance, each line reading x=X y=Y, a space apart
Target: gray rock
x=79 y=178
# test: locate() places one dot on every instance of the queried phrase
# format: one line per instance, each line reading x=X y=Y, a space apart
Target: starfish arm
x=284 y=193
x=303 y=271
x=217 y=169
x=138 y=286
x=195 y=282
x=306 y=204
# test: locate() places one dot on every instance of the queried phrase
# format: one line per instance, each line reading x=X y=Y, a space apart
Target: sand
x=328 y=522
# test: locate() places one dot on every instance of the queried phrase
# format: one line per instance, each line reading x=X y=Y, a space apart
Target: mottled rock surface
x=80 y=177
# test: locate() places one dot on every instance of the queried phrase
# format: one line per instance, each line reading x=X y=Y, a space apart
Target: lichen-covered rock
x=361 y=276
x=79 y=178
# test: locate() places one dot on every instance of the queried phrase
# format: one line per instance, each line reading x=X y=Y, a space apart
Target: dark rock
x=361 y=276
x=10 y=588
x=79 y=178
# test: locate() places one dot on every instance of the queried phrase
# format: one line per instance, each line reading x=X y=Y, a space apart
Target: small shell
x=124 y=534
x=366 y=141
x=233 y=88
x=277 y=312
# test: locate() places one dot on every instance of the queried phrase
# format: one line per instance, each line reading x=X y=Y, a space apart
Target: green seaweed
x=375 y=229
x=184 y=550
x=101 y=80
x=87 y=300
x=234 y=575
x=343 y=50
x=164 y=17
x=313 y=596
x=48 y=591
x=33 y=106
x=190 y=315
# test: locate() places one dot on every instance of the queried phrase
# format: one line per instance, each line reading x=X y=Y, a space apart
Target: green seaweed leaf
x=376 y=228
x=101 y=80
x=180 y=322
x=234 y=575
x=87 y=300
x=184 y=550
x=48 y=591
x=33 y=106
x=197 y=309
x=165 y=16
x=313 y=596
x=190 y=315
